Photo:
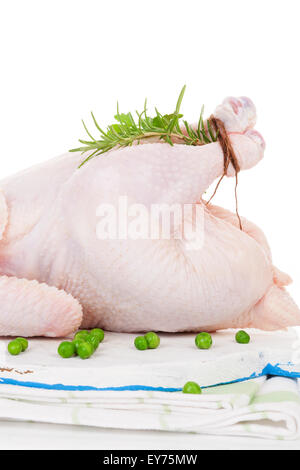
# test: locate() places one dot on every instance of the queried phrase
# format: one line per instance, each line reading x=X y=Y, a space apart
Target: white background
x=61 y=59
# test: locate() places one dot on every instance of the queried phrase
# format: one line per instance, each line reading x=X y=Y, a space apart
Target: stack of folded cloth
x=249 y=390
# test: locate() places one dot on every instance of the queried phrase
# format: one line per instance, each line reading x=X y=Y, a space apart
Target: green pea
x=82 y=334
x=152 y=339
x=242 y=337
x=98 y=332
x=14 y=347
x=93 y=340
x=66 y=349
x=140 y=343
x=24 y=343
x=191 y=387
x=85 y=350
x=76 y=343
x=203 y=340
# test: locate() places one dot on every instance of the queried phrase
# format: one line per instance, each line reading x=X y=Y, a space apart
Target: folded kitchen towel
x=118 y=365
x=121 y=387
x=261 y=407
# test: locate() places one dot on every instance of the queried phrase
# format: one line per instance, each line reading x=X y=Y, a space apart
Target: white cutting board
x=117 y=363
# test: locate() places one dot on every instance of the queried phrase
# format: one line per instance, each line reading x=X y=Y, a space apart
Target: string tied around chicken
x=229 y=157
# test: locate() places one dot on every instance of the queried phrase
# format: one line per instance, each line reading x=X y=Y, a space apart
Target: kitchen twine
x=229 y=157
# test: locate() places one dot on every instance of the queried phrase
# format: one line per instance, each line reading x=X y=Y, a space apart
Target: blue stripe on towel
x=83 y=388
x=270 y=369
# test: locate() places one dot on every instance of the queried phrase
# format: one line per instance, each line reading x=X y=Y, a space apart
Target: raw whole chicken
x=58 y=275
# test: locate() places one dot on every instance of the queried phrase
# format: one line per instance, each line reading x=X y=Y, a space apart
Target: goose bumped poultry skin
x=57 y=274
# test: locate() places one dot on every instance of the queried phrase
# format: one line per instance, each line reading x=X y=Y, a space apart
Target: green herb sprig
x=126 y=131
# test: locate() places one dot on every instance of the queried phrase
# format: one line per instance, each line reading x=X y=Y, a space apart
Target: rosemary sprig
x=126 y=131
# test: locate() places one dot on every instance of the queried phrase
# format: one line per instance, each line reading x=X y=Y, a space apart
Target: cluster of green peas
x=83 y=345
x=203 y=341
x=149 y=341
x=86 y=342
x=16 y=346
